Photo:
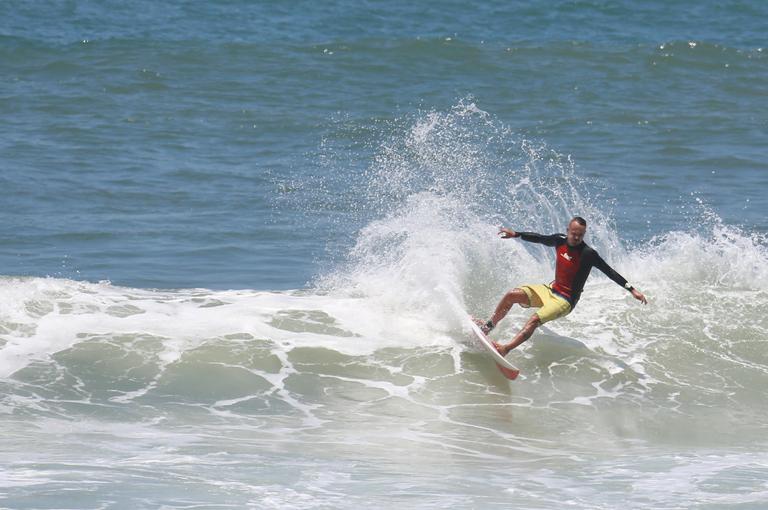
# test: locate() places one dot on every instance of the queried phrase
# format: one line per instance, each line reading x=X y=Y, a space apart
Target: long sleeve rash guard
x=573 y=265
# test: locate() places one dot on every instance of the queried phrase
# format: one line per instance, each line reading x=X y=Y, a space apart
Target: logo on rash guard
x=566 y=256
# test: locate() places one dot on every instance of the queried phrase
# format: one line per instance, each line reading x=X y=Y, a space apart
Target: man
x=574 y=260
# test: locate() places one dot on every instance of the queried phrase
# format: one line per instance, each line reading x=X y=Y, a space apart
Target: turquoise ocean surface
x=239 y=240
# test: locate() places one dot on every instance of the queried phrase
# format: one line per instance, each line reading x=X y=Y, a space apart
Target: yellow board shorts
x=550 y=305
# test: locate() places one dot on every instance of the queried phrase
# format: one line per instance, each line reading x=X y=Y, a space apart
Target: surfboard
x=506 y=368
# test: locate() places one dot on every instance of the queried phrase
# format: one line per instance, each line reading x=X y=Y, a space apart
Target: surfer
x=574 y=260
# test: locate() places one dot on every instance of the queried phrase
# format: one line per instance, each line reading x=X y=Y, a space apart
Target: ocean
x=239 y=241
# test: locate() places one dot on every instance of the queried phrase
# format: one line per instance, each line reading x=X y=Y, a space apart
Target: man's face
x=575 y=233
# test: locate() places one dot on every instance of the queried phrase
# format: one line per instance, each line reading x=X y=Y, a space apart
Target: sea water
x=239 y=240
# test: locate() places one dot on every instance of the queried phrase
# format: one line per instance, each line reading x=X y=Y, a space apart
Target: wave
x=388 y=318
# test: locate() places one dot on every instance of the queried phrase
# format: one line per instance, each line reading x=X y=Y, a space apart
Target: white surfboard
x=506 y=368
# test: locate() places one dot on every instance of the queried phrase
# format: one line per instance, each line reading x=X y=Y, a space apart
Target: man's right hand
x=506 y=233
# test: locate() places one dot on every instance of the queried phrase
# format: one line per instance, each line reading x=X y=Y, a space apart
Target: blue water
x=190 y=186
x=148 y=145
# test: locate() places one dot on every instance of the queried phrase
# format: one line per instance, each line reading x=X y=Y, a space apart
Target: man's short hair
x=578 y=219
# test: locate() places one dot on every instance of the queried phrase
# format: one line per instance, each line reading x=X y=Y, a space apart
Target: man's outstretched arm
x=532 y=237
x=616 y=277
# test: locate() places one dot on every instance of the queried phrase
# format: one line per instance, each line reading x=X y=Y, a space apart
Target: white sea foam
x=45 y=316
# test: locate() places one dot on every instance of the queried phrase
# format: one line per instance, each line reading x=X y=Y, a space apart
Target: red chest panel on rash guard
x=566 y=267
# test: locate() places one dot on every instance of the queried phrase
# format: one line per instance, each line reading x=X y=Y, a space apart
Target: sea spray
x=437 y=189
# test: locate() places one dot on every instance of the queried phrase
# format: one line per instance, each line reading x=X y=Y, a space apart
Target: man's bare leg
x=524 y=334
x=504 y=306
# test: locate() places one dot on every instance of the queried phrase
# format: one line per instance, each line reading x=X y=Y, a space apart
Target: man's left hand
x=639 y=296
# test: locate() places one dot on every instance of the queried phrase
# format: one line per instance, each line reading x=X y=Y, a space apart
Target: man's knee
x=533 y=323
x=517 y=296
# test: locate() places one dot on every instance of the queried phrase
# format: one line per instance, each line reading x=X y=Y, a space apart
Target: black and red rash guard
x=573 y=265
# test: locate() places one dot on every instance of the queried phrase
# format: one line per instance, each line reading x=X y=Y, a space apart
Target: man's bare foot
x=503 y=350
x=482 y=325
